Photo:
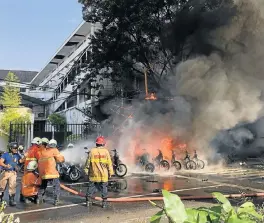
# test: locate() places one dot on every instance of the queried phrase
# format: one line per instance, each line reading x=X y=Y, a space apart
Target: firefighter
x=31 y=152
x=9 y=161
x=21 y=151
x=45 y=142
x=47 y=159
x=31 y=183
x=98 y=168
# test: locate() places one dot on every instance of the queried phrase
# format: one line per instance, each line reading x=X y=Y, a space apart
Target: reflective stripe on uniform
x=31 y=158
x=99 y=161
x=50 y=176
x=45 y=159
x=98 y=179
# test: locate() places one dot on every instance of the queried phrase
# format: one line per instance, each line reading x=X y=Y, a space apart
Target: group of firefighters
x=40 y=168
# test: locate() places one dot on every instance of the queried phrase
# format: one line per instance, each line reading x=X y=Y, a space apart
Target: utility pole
x=146 y=82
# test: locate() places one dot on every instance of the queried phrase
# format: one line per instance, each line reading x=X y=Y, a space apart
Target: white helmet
x=52 y=143
x=32 y=165
x=36 y=140
x=45 y=140
x=70 y=145
x=20 y=148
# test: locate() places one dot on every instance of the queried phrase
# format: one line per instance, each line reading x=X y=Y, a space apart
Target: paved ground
x=234 y=179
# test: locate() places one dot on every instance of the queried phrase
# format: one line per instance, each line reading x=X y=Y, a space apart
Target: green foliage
x=14 y=116
x=57 y=119
x=11 y=99
x=11 y=96
x=223 y=213
x=9 y=218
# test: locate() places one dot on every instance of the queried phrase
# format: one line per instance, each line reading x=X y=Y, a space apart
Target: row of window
x=74 y=71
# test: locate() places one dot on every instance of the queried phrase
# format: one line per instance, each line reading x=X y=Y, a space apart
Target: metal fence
x=23 y=133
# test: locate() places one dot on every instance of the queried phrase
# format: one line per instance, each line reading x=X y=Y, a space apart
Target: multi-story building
x=59 y=85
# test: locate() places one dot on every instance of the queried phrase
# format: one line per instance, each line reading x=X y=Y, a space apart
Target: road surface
x=186 y=183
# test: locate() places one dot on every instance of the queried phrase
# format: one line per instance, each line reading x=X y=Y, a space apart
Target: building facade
x=59 y=84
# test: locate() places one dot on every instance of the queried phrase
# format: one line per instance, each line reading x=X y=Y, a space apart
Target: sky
x=32 y=31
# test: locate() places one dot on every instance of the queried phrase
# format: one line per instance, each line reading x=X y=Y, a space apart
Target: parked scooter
x=120 y=169
x=143 y=161
x=69 y=171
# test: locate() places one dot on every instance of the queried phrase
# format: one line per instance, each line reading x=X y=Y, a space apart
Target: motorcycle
x=160 y=162
x=199 y=163
x=143 y=162
x=176 y=164
x=120 y=169
x=69 y=171
x=188 y=163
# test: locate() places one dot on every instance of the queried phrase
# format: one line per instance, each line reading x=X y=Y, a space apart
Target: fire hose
x=135 y=199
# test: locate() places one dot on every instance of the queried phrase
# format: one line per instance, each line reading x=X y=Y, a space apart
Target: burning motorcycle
x=176 y=164
x=188 y=163
x=160 y=162
x=199 y=163
x=69 y=171
x=120 y=169
x=144 y=162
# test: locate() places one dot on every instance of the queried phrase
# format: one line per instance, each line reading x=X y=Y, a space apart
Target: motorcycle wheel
x=121 y=170
x=165 y=164
x=177 y=165
x=150 y=168
x=75 y=175
x=200 y=164
x=191 y=165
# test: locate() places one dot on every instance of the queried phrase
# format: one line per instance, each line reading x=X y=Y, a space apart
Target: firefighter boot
x=1 y=196
x=22 y=198
x=36 y=200
x=56 y=201
x=88 y=201
x=104 y=203
x=12 y=200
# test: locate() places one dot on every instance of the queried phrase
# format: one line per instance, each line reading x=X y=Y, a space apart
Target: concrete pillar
x=78 y=96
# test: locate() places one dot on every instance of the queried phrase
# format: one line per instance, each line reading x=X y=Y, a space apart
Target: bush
x=58 y=121
x=9 y=218
x=175 y=211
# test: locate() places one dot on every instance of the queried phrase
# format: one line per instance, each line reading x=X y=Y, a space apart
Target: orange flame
x=152 y=96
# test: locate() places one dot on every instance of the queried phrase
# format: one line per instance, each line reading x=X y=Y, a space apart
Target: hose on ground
x=135 y=199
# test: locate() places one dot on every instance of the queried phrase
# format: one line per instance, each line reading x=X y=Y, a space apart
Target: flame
x=152 y=96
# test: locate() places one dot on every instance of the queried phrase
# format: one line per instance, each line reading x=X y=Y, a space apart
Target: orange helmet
x=100 y=140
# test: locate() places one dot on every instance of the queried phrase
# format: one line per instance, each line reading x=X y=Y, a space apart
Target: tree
x=57 y=120
x=11 y=96
x=151 y=35
x=11 y=99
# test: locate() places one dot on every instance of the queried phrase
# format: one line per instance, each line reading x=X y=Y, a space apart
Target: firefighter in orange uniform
x=30 y=154
x=47 y=159
x=31 y=183
x=98 y=168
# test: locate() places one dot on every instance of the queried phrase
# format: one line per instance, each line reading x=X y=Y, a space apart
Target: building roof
x=32 y=99
x=27 y=98
x=24 y=76
x=78 y=36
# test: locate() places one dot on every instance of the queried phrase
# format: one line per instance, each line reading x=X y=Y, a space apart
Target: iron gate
x=23 y=133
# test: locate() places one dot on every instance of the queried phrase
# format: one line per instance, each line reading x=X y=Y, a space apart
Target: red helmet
x=100 y=140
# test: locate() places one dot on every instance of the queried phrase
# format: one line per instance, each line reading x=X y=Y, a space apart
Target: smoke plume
x=213 y=94
x=226 y=88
